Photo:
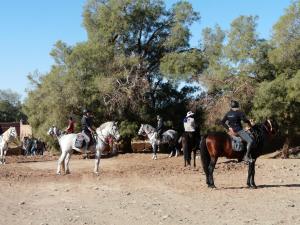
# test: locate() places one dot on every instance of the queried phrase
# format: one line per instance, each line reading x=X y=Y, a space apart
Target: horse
x=219 y=144
x=67 y=144
x=170 y=137
x=10 y=135
x=190 y=143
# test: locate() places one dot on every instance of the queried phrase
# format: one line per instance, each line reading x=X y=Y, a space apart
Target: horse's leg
x=60 y=162
x=189 y=156
x=194 y=151
x=3 y=157
x=170 y=147
x=251 y=173
x=185 y=153
x=154 y=146
x=67 y=160
x=211 y=168
x=97 y=161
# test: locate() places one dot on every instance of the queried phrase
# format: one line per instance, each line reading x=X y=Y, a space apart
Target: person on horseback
x=160 y=126
x=71 y=126
x=87 y=128
x=189 y=123
x=232 y=122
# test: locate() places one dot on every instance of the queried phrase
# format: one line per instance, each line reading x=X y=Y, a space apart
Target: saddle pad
x=79 y=141
x=237 y=144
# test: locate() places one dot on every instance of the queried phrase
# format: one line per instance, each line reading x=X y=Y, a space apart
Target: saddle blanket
x=79 y=141
x=237 y=144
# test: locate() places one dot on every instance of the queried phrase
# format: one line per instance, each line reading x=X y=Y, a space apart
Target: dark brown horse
x=219 y=144
x=190 y=143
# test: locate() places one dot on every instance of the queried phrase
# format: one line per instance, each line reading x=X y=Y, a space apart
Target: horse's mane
x=103 y=125
x=149 y=126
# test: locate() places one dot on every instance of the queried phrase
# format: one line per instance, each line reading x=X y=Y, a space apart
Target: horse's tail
x=205 y=157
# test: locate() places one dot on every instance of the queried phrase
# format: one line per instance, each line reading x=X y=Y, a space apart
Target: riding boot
x=247 y=157
x=85 y=156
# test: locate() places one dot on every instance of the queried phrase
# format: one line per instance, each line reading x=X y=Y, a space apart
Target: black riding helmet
x=234 y=104
x=85 y=111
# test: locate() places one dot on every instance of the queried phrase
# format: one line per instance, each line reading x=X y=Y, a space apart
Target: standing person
x=160 y=126
x=190 y=132
x=87 y=128
x=71 y=126
x=232 y=122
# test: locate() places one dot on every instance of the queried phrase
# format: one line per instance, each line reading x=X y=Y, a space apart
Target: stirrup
x=248 y=159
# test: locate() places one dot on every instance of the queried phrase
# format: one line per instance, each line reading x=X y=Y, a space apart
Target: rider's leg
x=87 y=141
x=246 y=137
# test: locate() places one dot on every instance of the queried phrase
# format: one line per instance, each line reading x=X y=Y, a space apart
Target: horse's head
x=114 y=131
x=142 y=130
x=12 y=133
x=270 y=126
x=53 y=131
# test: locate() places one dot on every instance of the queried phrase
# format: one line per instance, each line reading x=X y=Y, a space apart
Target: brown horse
x=219 y=144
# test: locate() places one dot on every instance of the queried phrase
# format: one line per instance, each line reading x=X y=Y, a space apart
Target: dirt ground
x=133 y=189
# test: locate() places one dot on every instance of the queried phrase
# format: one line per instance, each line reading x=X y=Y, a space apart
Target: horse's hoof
x=68 y=172
x=58 y=173
x=96 y=173
x=212 y=186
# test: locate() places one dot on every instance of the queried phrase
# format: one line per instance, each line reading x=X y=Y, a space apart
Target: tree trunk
x=285 y=148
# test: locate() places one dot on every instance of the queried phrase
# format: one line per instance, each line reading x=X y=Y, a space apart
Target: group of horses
x=212 y=146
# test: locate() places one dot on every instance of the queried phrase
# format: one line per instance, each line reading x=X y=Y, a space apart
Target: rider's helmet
x=85 y=111
x=234 y=104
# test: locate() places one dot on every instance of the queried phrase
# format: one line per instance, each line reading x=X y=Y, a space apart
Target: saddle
x=79 y=141
x=236 y=142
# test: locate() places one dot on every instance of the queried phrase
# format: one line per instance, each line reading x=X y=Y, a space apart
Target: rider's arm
x=223 y=122
x=159 y=125
x=245 y=119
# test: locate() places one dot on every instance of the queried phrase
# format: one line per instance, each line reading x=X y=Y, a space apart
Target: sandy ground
x=133 y=189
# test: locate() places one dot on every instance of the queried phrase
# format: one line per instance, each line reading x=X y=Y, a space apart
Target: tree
x=10 y=106
x=280 y=97
x=116 y=72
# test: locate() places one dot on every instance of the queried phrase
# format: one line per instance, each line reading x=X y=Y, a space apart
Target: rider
x=86 y=127
x=70 y=128
x=160 y=126
x=234 y=118
x=191 y=129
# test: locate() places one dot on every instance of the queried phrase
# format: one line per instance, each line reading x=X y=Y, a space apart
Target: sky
x=29 y=29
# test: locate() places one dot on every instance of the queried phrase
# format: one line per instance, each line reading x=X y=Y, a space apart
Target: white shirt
x=189 y=124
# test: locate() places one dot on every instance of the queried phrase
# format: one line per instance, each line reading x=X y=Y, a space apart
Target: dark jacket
x=234 y=119
x=86 y=123
x=160 y=125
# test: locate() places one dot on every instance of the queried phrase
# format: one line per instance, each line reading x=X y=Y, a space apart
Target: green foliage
x=116 y=72
x=128 y=129
x=10 y=106
x=280 y=99
x=286 y=39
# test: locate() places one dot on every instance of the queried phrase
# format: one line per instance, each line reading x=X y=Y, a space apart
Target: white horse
x=10 y=135
x=170 y=137
x=67 y=144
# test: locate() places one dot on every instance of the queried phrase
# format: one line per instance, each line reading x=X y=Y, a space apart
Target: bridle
x=269 y=130
x=112 y=135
